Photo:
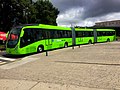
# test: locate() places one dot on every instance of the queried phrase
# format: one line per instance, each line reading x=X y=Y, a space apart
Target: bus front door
x=48 y=41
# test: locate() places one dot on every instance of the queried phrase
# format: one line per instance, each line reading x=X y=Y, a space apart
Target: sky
x=86 y=12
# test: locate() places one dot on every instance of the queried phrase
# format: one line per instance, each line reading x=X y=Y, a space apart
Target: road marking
x=2 y=62
x=18 y=63
x=8 y=59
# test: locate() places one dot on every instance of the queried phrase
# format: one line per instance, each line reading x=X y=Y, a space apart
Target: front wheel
x=40 y=49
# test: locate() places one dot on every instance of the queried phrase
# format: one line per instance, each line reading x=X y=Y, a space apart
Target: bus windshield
x=13 y=37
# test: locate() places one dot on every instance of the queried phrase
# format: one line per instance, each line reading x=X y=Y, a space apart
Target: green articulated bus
x=27 y=39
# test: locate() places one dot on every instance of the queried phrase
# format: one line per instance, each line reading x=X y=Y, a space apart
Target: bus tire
x=66 y=45
x=89 y=42
x=40 y=49
x=108 y=40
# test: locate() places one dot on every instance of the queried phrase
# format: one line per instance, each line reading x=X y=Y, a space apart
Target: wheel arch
x=66 y=43
x=42 y=46
x=90 y=41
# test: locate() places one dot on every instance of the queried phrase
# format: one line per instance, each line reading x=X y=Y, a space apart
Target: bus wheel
x=90 y=42
x=65 y=45
x=40 y=49
x=108 y=40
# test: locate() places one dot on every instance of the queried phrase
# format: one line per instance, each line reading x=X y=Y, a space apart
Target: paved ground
x=89 y=67
x=5 y=59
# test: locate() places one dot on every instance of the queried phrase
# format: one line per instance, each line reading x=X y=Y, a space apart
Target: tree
x=46 y=13
x=5 y=14
x=15 y=12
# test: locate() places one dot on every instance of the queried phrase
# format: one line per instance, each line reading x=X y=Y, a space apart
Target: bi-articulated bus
x=27 y=39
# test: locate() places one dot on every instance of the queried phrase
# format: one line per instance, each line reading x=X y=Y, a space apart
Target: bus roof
x=43 y=26
x=83 y=29
x=54 y=27
x=105 y=29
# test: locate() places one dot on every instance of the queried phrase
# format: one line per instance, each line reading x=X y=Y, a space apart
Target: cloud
x=101 y=7
x=84 y=12
x=64 y=20
x=64 y=5
x=92 y=8
x=71 y=16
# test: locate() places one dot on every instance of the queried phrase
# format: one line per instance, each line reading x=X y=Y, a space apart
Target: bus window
x=39 y=34
x=44 y=34
x=91 y=34
x=69 y=34
x=79 y=34
x=13 y=37
x=55 y=34
x=104 y=33
x=86 y=34
x=99 y=33
x=27 y=38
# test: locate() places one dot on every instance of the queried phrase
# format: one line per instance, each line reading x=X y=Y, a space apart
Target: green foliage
x=14 y=12
x=46 y=13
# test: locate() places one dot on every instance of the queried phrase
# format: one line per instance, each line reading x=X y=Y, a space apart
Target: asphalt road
x=5 y=58
x=93 y=66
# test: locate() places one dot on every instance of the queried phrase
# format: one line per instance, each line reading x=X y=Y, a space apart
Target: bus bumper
x=12 y=51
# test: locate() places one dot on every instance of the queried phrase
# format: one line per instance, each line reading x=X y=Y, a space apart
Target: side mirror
x=22 y=33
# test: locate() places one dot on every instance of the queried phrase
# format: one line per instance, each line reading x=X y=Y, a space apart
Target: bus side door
x=80 y=35
x=48 y=40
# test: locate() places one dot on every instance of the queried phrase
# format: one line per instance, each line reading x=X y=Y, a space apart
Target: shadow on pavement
x=89 y=63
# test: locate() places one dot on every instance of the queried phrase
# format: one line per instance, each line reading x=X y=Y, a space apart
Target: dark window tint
x=105 y=33
x=84 y=34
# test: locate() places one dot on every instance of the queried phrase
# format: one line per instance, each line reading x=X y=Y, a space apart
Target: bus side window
x=55 y=34
x=23 y=40
x=61 y=34
x=44 y=34
x=83 y=33
x=91 y=33
x=38 y=34
x=27 y=38
x=47 y=34
x=99 y=33
x=69 y=34
x=52 y=34
x=104 y=33
x=78 y=34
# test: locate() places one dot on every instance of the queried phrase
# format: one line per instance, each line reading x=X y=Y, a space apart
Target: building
x=114 y=23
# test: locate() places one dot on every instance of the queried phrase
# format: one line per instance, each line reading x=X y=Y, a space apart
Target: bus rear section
x=105 y=35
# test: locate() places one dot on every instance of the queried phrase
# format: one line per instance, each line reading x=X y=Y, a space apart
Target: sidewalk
x=90 y=67
x=6 y=84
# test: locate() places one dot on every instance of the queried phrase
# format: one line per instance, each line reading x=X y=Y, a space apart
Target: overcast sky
x=86 y=12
